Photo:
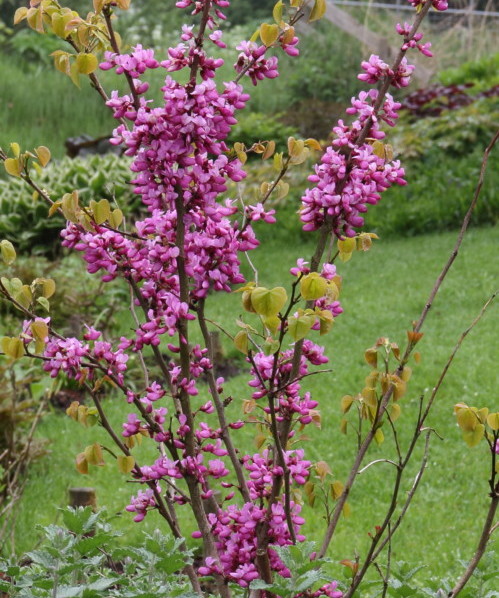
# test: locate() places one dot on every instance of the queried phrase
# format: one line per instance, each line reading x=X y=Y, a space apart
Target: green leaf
x=269 y=33
x=44 y=303
x=268 y=302
x=241 y=341
x=125 y=463
x=318 y=10
x=8 y=252
x=13 y=166
x=313 y=286
x=493 y=420
x=43 y=154
x=307 y=580
x=473 y=437
x=86 y=63
x=299 y=327
x=277 y=11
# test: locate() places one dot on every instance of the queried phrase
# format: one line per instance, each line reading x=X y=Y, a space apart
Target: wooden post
x=82 y=497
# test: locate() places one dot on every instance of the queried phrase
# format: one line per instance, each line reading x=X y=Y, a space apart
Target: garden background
x=441 y=138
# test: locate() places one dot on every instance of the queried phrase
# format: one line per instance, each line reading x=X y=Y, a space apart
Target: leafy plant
x=80 y=559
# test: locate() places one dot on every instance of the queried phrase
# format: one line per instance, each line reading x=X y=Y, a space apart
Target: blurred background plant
x=23 y=399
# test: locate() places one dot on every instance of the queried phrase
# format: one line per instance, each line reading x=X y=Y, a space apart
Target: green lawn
x=383 y=291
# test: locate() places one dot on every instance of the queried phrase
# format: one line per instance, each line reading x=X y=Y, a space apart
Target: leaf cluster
x=80 y=559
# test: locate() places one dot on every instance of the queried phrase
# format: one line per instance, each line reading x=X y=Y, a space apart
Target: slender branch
x=107 y=12
x=374 y=463
x=482 y=545
x=226 y=437
x=410 y=347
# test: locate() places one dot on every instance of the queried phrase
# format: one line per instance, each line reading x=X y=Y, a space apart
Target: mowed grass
x=383 y=291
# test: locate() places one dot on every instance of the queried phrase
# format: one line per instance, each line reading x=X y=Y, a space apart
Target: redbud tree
x=187 y=248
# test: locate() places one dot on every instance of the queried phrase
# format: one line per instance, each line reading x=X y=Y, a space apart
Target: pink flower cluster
x=413 y=42
x=375 y=69
x=291 y=404
x=235 y=531
x=252 y=61
x=65 y=355
x=440 y=5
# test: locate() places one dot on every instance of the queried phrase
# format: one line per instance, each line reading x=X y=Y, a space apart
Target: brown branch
x=226 y=437
x=482 y=545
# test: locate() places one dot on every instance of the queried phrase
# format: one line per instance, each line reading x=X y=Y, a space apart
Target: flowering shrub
x=191 y=244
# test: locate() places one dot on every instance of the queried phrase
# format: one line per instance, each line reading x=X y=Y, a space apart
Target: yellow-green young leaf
x=40 y=330
x=86 y=63
x=326 y=320
x=98 y=5
x=270 y=346
x=482 y=414
x=74 y=74
x=347 y=511
x=318 y=10
x=72 y=410
x=241 y=341
x=379 y=437
x=43 y=154
x=255 y=35
x=371 y=356
x=346 y=403
x=395 y=411
x=313 y=286
x=313 y=144
x=337 y=489
x=58 y=23
x=44 y=303
x=493 y=421
x=277 y=12
x=269 y=150
x=299 y=327
x=272 y=323
x=15 y=149
x=13 y=347
x=123 y=4
x=25 y=296
x=473 y=437
x=260 y=440
x=92 y=416
x=81 y=463
x=344 y=426
x=116 y=218
x=347 y=245
x=101 y=211
x=7 y=252
x=13 y=166
x=269 y=33
x=278 y=162
x=54 y=207
x=281 y=189
x=93 y=454
x=81 y=415
x=48 y=287
x=246 y=299
x=322 y=469
x=268 y=302
x=20 y=14
x=62 y=62
x=466 y=419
